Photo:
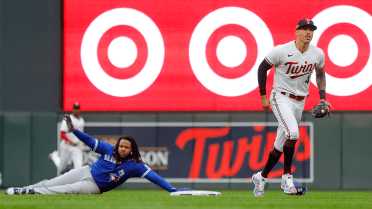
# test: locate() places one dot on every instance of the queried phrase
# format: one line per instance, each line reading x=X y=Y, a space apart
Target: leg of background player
x=65 y=156
x=54 y=157
x=77 y=157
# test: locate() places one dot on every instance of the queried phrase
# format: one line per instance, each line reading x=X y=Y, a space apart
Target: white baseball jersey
x=78 y=124
x=293 y=69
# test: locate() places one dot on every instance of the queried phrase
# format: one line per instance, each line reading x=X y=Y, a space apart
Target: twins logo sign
x=211 y=152
x=204 y=55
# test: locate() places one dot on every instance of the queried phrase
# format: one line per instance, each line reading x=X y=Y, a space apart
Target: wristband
x=263 y=91
x=73 y=129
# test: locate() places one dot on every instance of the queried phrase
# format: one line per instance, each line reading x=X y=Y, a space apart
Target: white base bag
x=195 y=193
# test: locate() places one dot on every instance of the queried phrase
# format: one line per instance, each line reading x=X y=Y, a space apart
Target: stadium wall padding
x=28 y=140
x=341 y=146
x=30 y=55
x=356 y=151
x=16 y=150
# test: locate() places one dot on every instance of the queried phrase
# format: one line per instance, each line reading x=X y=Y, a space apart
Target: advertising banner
x=158 y=55
x=210 y=152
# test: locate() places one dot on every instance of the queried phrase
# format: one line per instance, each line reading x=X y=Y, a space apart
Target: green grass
x=160 y=199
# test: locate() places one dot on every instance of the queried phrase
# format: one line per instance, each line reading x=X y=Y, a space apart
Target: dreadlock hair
x=136 y=155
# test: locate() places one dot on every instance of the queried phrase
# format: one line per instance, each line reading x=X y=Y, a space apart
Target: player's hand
x=70 y=126
x=265 y=103
x=182 y=189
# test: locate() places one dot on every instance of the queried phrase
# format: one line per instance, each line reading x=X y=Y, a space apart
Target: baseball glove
x=70 y=126
x=321 y=110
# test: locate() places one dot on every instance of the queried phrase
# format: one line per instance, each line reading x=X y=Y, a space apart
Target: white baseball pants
x=76 y=181
x=288 y=112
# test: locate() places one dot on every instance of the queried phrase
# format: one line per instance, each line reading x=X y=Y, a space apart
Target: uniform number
x=308 y=79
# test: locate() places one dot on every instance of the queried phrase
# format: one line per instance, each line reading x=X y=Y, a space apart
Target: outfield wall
x=341 y=146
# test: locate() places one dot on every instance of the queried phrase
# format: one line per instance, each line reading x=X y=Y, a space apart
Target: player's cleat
x=28 y=191
x=287 y=184
x=259 y=184
x=13 y=190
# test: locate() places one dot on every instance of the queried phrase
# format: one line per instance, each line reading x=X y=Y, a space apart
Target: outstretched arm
x=158 y=180
x=88 y=140
x=321 y=82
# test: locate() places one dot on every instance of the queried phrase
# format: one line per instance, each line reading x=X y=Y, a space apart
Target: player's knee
x=294 y=136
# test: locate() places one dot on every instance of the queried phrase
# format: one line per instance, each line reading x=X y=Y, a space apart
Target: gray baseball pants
x=76 y=181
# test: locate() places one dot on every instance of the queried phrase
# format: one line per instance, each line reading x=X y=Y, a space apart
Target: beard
x=123 y=159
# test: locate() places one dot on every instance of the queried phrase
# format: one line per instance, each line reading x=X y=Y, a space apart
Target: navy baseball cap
x=304 y=22
x=76 y=105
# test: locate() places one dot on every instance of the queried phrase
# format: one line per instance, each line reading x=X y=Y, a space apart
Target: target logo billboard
x=149 y=55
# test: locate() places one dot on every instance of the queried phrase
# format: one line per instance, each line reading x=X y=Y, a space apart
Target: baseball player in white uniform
x=294 y=63
x=70 y=147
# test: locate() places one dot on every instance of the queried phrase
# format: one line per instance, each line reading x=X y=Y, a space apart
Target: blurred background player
x=70 y=147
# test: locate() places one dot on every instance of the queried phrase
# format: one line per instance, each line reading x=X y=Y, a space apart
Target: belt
x=292 y=96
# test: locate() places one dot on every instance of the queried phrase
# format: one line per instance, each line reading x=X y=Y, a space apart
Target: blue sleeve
x=156 y=179
x=96 y=146
x=88 y=140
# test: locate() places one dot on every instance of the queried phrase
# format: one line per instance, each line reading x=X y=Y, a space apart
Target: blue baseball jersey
x=105 y=172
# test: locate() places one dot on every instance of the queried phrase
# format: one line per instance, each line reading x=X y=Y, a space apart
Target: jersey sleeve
x=103 y=147
x=273 y=57
x=322 y=60
x=64 y=137
x=158 y=180
x=64 y=127
x=96 y=145
x=142 y=170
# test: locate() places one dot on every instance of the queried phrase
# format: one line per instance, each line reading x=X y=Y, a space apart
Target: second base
x=195 y=193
